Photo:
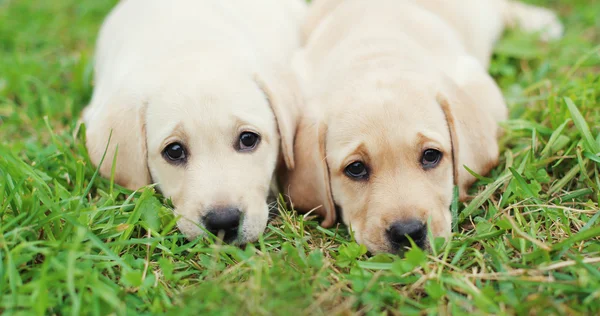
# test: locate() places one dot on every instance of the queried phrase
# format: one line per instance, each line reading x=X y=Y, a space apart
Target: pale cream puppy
x=197 y=99
x=398 y=101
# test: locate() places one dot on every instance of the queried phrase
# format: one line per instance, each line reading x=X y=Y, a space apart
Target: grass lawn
x=528 y=242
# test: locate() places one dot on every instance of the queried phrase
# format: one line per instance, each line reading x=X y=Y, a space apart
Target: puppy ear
x=473 y=131
x=308 y=186
x=285 y=100
x=125 y=125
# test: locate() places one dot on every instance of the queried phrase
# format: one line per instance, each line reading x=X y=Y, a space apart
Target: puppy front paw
x=533 y=19
x=542 y=21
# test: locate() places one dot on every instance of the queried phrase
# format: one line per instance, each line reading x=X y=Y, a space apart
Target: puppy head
x=387 y=154
x=210 y=142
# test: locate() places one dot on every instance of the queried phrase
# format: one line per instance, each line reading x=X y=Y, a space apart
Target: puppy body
x=197 y=73
x=387 y=81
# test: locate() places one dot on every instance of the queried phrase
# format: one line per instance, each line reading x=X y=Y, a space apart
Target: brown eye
x=357 y=171
x=175 y=153
x=248 y=141
x=431 y=158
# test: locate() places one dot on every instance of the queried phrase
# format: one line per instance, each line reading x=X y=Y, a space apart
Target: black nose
x=399 y=232
x=224 y=221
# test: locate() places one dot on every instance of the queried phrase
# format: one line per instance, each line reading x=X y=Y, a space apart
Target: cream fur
x=198 y=72
x=385 y=80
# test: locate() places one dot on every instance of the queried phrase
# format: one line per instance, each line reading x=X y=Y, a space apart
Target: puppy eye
x=248 y=141
x=175 y=153
x=357 y=171
x=431 y=158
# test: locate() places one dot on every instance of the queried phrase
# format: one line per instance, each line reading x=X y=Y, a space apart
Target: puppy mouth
x=401 y=248
x=404 y=241
x=339 y=213
x=228 y=225
x=230 y=236
x=389 y=245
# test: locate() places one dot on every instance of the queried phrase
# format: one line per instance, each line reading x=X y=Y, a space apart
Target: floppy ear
x=285 y=100
x=125 y=125
x=308 y=186
x=473 y=131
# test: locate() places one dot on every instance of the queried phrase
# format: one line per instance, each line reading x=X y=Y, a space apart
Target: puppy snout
x=223 y=222
x=399 y=232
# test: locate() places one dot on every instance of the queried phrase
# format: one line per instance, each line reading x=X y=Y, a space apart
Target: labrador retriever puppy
x=193 y=95
x=398 y=102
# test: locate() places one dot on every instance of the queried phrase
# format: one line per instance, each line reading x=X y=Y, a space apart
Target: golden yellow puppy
x=193 y=95
x=398 y=101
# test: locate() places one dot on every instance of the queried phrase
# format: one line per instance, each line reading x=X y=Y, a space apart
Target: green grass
x=73 y=243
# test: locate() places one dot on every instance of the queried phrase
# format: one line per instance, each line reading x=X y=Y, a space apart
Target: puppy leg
x=533 y=19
